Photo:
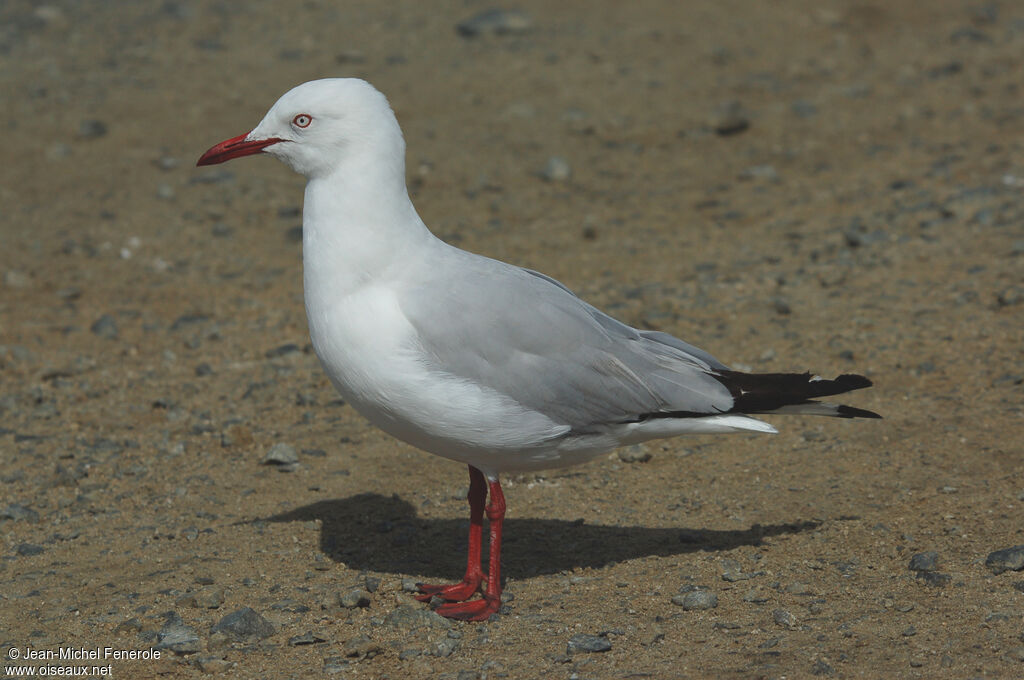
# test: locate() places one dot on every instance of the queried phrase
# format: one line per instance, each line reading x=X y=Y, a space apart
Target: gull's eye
x=302 y=120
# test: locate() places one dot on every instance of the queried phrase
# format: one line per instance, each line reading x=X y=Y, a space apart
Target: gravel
x=243 y=625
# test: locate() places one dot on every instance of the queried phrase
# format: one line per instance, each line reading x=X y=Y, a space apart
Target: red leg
x=474 y=575
x=481 y=610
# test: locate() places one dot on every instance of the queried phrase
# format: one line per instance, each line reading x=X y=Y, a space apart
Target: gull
x=476 y=360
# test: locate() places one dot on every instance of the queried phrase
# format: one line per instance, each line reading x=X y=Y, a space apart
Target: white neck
x=357 y=223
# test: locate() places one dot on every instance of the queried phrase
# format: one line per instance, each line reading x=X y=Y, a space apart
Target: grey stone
x=784 y=618
x=934 y=578
x=307 y=638
x=407 y=617
x=92 y=129
x=18 y=512
x=362 y=647
x=582 y=642
x=557 y=169
x=637 y=453
x=494 y=21
x=730 y=119
x=178 y=637
x=213 y=664
x=696 y=600
x=105 y=327
x=281 y=454
x=1007 y=559
x=356 y=597
x=925 y=561
x=29 y=549
x=243 y=625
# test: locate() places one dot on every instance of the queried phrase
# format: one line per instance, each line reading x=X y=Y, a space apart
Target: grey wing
x=529 y=338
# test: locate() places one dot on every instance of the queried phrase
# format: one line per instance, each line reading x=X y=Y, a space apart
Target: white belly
x=375 y=360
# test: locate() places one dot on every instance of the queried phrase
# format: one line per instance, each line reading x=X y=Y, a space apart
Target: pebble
x=361 y=647
x=730 y=119
x=934 y=578
x=1006 y=559
x=583 y=642
x=178 y=637
x=29 y=549
x=495 y=22
x=19 y=512
x=696 y=600
x=357 y=597
x=281 y=454
x=822 y=667
x=213 y=664
x=557 y=169
x=407 y=617
x=15 y=279
x=105 y=327
x=925 y=561
x=92 y=129
x=636 y=453
x=784 y=618
x=243 y=625
x=307 y=638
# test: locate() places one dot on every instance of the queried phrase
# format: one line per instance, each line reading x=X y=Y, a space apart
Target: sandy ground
x=791 y=185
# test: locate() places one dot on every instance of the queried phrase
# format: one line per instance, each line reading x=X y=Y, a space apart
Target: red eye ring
x=302 y=120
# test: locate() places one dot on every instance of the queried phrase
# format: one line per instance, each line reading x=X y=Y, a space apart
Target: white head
x=320 y=125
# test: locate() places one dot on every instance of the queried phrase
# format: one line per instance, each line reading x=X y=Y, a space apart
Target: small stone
x=730 y=119
x=213 y=664
x=132 y=625
x=105 y=327
x=1007 y=559
x=909 y=631
x=361 y=647
x=29 y=549
x=19 y=512
x=582 y=642
x=15 y=279
x=926 y=561
x=244 y=625
x=178 y=637
x=557 y=169
x=756 y=595
x=934 y=578
x=821 y=667
x=636 y=453
x=357 y=597
x=307 y=638
x=408 y=617
x=696 y=600
x=784 y=618
x=1010 y=296
x=281 y=454
x=283 y=351
x=1016 y=654
x=92 y=129
x=495 y=22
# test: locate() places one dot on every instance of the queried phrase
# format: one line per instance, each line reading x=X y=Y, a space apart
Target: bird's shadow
x=371 y=532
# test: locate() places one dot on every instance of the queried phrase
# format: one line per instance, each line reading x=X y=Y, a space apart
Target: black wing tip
x=843 y=411
x=852 y=381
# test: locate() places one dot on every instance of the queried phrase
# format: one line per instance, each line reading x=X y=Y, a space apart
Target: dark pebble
x=282 y=351
x=1007 y=559
x=29 y=549
x=92 y=129
x=407 y=617
x=308 y=638
x=934 y=578
x=696 y=600
x=582 y=642
x=821 y=668
x=244 y=624
x=357 y=597
x=926 y=561
x=105 y=327
x=18 y=512
x=730 y=119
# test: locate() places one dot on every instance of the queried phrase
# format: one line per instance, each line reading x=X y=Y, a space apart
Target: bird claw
x=457 y=592
x=473 y=610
